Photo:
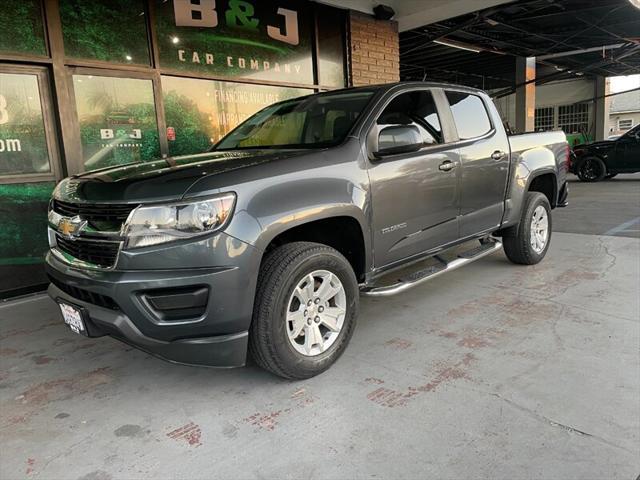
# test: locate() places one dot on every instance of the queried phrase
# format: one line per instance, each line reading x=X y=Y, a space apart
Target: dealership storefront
x=86 y=84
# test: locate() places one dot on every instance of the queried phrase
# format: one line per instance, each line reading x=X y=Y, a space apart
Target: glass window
x=311 y=122
x=415 y=108
x=625 y=123
x=331 y=46
x=117 y=119
x=544 y=119
x=469 y=114
x=23 y=141
x=21 y=27
x=574 y=118
x=107 y=30
x=237 y=38
x=201 y=112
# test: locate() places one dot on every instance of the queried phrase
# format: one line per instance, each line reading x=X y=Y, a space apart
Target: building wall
x=550 y=95
x=570 y=103
x=613 y=121
x=374 y=49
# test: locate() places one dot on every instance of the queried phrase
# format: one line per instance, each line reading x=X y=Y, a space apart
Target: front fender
x=279 y=207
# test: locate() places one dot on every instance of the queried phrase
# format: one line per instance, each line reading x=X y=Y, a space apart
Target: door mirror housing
x=397 y=139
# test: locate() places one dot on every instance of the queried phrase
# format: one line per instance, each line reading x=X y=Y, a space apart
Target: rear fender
x=529 y=164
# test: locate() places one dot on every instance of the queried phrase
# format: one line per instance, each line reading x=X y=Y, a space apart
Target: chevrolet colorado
x=264 y=244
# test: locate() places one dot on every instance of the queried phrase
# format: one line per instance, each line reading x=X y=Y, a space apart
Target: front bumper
x=116 y=304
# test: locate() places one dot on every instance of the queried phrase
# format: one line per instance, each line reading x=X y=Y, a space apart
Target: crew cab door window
x=469 y=115
x=415 y=108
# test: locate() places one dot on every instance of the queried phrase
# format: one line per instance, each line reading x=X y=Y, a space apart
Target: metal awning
x=569 y=38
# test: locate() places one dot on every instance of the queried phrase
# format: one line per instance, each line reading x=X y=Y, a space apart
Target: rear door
x=484 y=157
x=414 y=195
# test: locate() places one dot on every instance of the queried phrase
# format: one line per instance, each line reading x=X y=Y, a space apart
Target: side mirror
x=398 y=139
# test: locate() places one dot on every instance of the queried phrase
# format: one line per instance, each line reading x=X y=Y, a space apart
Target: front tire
x=529 y=242
x=591 y=169
x=305 y=310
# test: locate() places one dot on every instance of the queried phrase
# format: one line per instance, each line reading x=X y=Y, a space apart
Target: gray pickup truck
x=263 y=245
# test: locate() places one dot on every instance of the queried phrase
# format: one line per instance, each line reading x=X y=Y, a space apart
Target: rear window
x=469 y=114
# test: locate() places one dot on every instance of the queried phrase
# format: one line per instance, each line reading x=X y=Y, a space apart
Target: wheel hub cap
x=539 y=229
x=316 y=311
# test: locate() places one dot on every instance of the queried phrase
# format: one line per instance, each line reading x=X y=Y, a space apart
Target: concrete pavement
x=493 y=371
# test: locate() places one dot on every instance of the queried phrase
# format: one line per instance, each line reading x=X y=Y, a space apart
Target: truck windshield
x=315 y=121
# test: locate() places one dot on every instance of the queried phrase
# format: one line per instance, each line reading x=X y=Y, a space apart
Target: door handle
x=498 y=155
x=447 y=165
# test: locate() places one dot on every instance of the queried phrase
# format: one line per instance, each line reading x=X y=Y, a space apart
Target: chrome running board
x=418 y=277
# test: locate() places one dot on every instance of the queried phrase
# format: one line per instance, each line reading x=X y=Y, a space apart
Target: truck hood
x=159 y=180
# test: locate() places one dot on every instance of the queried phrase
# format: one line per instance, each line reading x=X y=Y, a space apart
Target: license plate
x=73 y=317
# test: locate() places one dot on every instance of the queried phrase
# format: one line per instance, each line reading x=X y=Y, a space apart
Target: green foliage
x=190 y=124
x=108 y=30
x=21 y=27
x=23 y=209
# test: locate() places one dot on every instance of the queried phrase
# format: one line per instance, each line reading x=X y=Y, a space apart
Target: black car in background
x=602 y=160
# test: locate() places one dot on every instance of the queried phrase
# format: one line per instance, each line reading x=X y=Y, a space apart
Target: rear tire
x=591 y=169
x=293 y=339
x=528 y=243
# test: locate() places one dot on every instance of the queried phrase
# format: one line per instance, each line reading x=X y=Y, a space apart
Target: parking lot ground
x=493 y=371
x=611 y=207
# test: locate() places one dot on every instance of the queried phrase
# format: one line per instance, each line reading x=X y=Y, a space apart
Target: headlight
x=155 y=224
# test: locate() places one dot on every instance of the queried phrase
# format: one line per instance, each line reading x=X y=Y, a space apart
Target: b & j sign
x=258 y=39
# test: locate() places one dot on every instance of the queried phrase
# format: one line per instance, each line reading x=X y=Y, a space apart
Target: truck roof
x=391 y=86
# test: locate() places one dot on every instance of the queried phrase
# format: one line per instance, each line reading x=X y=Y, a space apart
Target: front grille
x=101 y=254
x=85 y=295
x=100 y=216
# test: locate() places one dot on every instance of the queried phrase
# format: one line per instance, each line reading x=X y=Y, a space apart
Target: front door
x=414 y=194
x=484 y=155
x=627 y=153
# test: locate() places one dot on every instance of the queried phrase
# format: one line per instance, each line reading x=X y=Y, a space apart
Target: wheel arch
x=546 y=183
x=342 y=231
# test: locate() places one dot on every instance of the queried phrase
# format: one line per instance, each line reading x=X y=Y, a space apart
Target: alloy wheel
x=316 y=312
x=539 y=229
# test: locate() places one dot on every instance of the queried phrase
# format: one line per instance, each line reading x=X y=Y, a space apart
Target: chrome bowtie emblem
x=71 y=227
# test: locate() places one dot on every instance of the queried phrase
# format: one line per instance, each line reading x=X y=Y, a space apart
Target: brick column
x=374 y=50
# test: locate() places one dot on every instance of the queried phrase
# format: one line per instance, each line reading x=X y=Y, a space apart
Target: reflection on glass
x=21 y=28
x=200 y=112
x=311 y=122
x=258 y=40
x=23 y=143
x=469 y=114
x=117 y=120
x=415 y=108
x=107 y=30
x=331 y=46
